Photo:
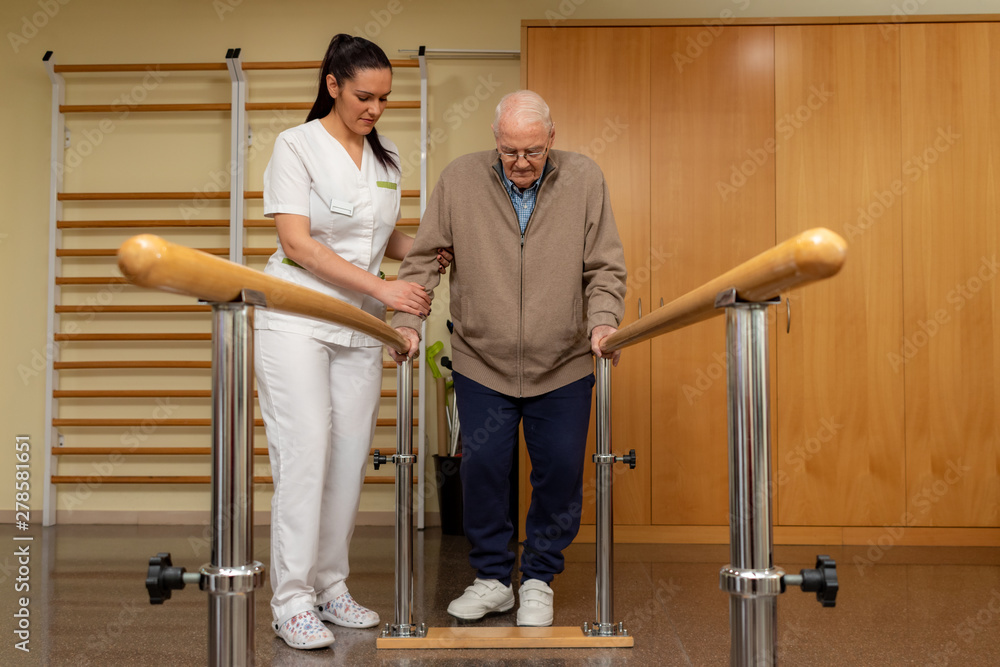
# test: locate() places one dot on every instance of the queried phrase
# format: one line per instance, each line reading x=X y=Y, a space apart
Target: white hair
x=524 y=106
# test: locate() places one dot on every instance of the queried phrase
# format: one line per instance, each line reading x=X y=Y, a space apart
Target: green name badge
x=388 y=185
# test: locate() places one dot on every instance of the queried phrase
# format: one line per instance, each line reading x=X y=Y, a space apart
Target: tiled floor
x=901 y=606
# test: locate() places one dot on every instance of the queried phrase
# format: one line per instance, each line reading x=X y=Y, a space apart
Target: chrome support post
x=605 y=626
x=751 y=579
x=404 y=459
x=233 y=575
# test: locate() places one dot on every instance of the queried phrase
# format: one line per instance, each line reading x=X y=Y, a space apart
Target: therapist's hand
x=413 y=338
x=597 y=337
x=445 y=256
x=405 y=297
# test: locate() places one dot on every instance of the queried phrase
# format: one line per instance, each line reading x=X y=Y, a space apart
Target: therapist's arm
x=400 y=244
x=321 y=261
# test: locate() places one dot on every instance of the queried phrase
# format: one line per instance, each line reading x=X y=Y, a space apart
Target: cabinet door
x=840 y=405
x=596 y=82
x=949 y=351
x=712 y=203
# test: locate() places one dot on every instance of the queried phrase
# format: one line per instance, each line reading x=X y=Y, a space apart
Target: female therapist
x=332 y=187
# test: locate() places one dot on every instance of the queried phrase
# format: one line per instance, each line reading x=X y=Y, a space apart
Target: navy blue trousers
x=555 y=432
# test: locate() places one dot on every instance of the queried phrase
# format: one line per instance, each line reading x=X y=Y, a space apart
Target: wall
x=200 y=31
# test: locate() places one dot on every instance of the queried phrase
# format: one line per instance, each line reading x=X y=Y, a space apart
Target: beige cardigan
x=523 y=307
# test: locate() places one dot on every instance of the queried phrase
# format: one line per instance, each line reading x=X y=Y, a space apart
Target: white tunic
x=352 y=211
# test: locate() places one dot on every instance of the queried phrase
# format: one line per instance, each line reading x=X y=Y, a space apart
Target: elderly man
x=538 y=281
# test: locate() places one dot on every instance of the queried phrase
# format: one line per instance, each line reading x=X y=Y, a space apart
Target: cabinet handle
x=788 y=315
x=640 y=307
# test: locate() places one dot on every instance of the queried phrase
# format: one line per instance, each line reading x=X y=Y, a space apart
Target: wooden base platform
x=558 y=637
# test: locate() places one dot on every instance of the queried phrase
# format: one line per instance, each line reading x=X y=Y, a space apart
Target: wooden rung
x=166 y=363
x=504 y=638
x=313 y=64
x=180 y=479
x=117 y=108
x=97 y=310
x=88 y=423
x=113 y=252
x=306 y=106
x=162 y=393
x=259 y=194
x=110 y=365
x=141 y=224
x=162 y=67
x=258 y=252
x=100 y=280
x=169 y=451
x=132 y=336
x=267 y=222
x=131 y=393
x=116 y=196
x=92 y=280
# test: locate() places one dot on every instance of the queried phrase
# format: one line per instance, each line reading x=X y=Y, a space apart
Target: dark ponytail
x=346 y=56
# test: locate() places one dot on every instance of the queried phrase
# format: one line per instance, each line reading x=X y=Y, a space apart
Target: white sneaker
x=347 y=613
x=305 y=630
x=484 y=596
x=536 y=604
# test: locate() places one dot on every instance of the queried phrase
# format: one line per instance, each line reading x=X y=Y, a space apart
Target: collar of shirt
x=509 y=184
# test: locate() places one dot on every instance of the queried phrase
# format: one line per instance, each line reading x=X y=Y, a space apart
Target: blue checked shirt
x=524 y=202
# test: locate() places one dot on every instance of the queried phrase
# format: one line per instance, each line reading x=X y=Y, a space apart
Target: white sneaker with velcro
x=536 y=604
x=484 y=596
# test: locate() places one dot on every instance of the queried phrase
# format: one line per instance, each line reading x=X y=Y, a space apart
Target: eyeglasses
x=530 y=157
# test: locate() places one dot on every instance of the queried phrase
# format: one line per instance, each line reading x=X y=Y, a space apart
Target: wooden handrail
x=813 y=255
x=150 y=261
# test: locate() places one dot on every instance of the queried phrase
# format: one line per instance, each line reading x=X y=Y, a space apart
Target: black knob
x=446 y=362
x=630 y=459
x=379 y=459
x=822 y=581
x=162 y=577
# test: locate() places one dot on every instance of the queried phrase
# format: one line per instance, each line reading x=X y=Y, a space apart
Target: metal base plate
x=455 y=637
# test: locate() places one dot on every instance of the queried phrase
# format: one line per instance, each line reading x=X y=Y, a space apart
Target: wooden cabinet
x=884 y=388
x=839 y=434
x=600 y=108
x=949 y=351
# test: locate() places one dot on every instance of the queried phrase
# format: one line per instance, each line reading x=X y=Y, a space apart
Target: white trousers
x=319 y=402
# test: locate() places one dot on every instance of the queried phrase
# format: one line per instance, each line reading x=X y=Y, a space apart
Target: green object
x=433 y=351
x=388 y=185
x=292 y=263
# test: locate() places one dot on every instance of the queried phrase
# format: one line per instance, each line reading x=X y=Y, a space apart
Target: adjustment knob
x=162 y=577
x=629 y=459
x=379 y=459
x=822 y=581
